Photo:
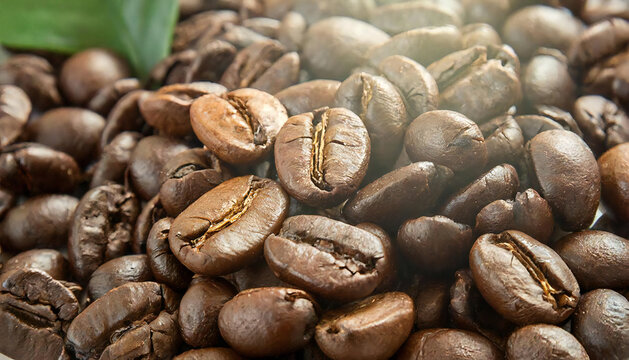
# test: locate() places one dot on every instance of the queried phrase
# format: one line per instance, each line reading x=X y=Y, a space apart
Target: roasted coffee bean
x=285 y=321
x=199 y=309
x=240 y=127
x=327 y=257
x=492 y=12
x=414 y=83
x=540 y=26
x=435 y=244
x=35 y=310
x=74 y=131
x=39 y=222
x=349 y=332
x=314 y=11
x=168 y=109
x=86 y=72
x=546 y=80
x=114 y=159
x=206 y=23
x=565 y=173
x=292 y=30
x=595 y=10
x=501 y=182
x=263 y=25
x=124 y=116
x=49 y=261
x=101 y=228
x=446 y=138
x=187 y=176
x=596 y=258
x=431 y=305
x=104 y=100
x=117 y=272
x=468 y=80
x=254 y=276
x=528 y=212
x=544 y=342
x=147 y=160
x=614 y=169
x=164 y=265
x=448 y=344
x=424 y=45
x=469 y=311
x=321 y=157
x=251 y=63
x=308 y=96
x=600 y=324
x=135 y=320
x=381 y=107
x=597 y=42
x=389 y=281
x=532 y=125
x=7 y=200
x=282 y=74
x=239 y=36
x=504 y=140
x=479 y=34
x=399 y=17
x=35 y=76
x=215 y=353
x=150 y=214
x=523 y=279
x=15 y=108
x=387 y=201
x=224 y=230
x=603 y=123
x=332 y=47
x=33 y=168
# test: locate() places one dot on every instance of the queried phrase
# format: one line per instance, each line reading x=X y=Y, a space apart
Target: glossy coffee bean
x=504 y=140
x=115 y=159
x=501 y=182
x=546 y=80
x=446 y=138
x=381 y=107
x=388 y=203
x=597 y=258
x=164 y=265
x=600 y=324
x=35 y=76
x=291 y=30
x=431 y=305
x=321 y=157
x=614 y=169
x=597 y=42
x=187 y=176
x=255 y=275
x=308 y=96
x=7 y=200
x=86 y=72
x=104 y=100
x=147 y=159
x=528 y=212
x=124 y=116
x=33 y=168
x=479 y=34
x=523 y=279
x=240 y=127
x=117 y=272
x=603 y=123
x=544 y=342
x=39 y=222
x=150 y=214
x=224 y=230
x=532 y=125
x=133 y=320
x=399 y=17
x=49 y=261
x=15 y=108
x=101 y=228
x=448 y=344
x=435 y=244
x=199 y=309
x=390 y=279
x=215 y=353
x=327 y=257
x=373 y=328
x=285 y=319
x=565 y=172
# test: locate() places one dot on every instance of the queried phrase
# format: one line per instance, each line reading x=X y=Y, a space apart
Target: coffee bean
x=150 y=214
x=117 y=272
x=255 y=275
x=435 y=244
x=285 y=320
x=291 y=31
x=42 y=222
x=597 y=42
x=239 y=36
x=565 y=173
x=104 y=100
x=544 y=341
x=388 y=203
x=604 y=124
x=33 y=168
x=600 y=324
x=523 y=279
x=114 y=159
x=124 y=116
x=614 y=169
x=250 y=63
x=349 y=332
x=532 y=125
x=479 y=34
x=308 y=96
x=35 y=76
x=492 y=12
x=135 y=319
x=15 y=108
x=199 y=309
x=310 y=250
x=49 y=261
x=321 y=157
x=314 y=11
x=164 y=265
x=431 y=305
x=101 y=228
x=404 y=16
x=597 y=258
x=209 y=353
x=224 y=230
x=504 y=140
x=546 y=80
x=448 y=344
x=239 y=127
x=205 y=23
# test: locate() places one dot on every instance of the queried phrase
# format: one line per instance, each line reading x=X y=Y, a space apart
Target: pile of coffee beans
x=325 y=179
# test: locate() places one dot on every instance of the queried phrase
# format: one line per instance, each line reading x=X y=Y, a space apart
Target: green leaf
x=140 y=30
